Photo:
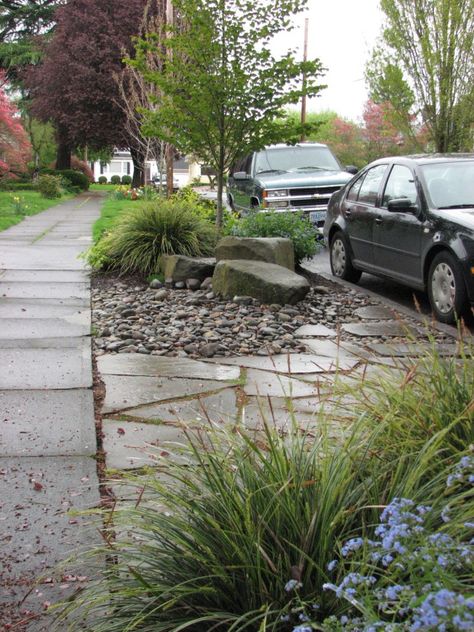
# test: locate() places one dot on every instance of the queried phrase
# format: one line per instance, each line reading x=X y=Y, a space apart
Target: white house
x=122 y=165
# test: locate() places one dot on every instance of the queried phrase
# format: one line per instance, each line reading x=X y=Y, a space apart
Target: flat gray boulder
x=269 y=249
x=181 y=268
x=267 y=282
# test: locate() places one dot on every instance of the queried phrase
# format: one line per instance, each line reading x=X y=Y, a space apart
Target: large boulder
x=267 y=282
x=181 y=268
x=269 y=249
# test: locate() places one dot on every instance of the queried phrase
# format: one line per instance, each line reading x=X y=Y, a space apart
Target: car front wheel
x=446 y=289
x=341 y=260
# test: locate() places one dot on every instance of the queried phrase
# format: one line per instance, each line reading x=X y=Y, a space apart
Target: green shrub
x=49 y=186
x=75 y=178
x=102 y=180
x=202 y=207
x=18 y=186
x=126 y=179
x=294 y=226
x=160 y=227
x=115 y=179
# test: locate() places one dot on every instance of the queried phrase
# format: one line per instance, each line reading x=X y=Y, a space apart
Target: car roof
x=285 y=146
x=425 y=159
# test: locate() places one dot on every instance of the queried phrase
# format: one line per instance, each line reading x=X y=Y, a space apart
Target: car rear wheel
x=341 y=260
x=446 y=289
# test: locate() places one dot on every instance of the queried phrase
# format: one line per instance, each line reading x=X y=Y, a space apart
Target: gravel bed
x=131 y=317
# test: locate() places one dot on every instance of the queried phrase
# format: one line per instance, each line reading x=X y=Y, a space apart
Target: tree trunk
x=220 y=192
x=169 y=160
x=63 y=156
x=138 y=159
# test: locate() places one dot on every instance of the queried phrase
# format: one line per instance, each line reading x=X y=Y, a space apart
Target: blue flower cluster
x=404 y=547
x=444 y=610
x=463 y=472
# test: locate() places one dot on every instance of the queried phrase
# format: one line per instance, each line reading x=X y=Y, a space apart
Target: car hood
x=307 y=178
x=462 y=216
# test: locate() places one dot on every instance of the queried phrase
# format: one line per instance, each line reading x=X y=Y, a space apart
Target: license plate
x=317 y=216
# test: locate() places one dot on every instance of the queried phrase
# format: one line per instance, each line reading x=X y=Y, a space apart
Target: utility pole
x=169 y=149
x=305 y=58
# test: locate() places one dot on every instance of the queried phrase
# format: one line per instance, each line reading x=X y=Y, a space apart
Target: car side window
x=370 y=186
x=354 y=190
x=400 y=184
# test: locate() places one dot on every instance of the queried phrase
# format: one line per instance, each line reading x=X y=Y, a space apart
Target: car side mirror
x=240 y=175
x=401 y=205
x=352 y=169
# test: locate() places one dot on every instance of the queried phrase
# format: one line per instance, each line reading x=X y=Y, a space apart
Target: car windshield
x=295 y=159
x=450 y=184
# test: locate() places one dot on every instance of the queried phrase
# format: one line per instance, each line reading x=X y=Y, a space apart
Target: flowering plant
x=412 y=576
x=19 y=206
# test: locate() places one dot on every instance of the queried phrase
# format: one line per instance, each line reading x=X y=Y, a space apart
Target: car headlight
x=275 y=193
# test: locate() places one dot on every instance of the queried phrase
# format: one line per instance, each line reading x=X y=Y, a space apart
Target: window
x=103 y=168
x=371 y=184
x=354 y=190
x=127 y=168
x=400 y=184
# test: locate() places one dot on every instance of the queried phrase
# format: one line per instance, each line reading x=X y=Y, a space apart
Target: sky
x=341 y=34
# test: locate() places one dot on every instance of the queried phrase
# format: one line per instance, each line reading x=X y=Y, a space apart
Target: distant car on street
x=287 y=178
x=410 y=219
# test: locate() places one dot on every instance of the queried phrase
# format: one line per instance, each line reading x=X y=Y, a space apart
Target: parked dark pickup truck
x=288 y=178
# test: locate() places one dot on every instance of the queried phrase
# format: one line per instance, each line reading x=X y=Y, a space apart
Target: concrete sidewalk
x=47 y=431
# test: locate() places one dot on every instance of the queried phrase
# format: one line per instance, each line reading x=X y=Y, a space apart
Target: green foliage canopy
x=424 y=66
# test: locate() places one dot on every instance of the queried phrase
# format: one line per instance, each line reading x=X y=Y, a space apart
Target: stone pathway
x=150 y=399
x=47 y=431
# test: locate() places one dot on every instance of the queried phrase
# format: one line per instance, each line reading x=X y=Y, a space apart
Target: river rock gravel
x=129 y=316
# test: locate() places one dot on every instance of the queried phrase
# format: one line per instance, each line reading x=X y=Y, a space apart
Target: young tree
x=14 y=145
x=222 y=88
x=424 y=67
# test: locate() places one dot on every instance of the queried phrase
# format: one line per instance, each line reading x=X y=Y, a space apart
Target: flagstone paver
x=391 y=329
x=293 y=363
x=218 y=407
x=138 y=364
x=129 y=391
x=311 y=331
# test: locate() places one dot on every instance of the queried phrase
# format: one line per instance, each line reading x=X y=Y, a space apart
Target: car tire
x=446 y=288
x=341 y=260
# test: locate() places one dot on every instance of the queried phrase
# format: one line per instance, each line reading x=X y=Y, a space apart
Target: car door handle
x=348 y=212
x=378 y=220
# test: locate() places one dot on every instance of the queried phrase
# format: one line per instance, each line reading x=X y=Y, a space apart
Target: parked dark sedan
x=410 y=219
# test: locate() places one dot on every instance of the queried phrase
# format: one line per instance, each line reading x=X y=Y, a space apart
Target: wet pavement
x=47 y=429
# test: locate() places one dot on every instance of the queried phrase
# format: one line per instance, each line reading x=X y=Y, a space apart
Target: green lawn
x=110 y=212
x=102 y=187
x=31 y=202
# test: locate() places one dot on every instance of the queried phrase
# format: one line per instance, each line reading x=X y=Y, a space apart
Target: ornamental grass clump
x=143 y=234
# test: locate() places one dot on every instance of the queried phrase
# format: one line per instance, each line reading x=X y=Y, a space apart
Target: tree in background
x=137 y=94
x=74 y=85
x=343 y=136
x=14 y=145
x=424 y=67
x=222 y=88
x=23 y=25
